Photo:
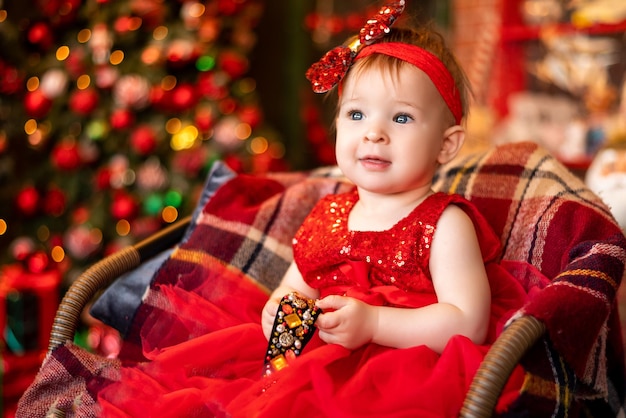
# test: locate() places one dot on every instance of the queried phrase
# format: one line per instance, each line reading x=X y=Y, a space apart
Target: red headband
x=427 y=62
x=330 y=70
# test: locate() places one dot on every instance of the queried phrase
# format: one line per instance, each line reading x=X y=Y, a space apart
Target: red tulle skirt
x=206 y=350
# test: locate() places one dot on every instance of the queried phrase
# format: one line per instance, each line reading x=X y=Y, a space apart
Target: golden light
x=96 y=236
x=173 y=125
x=134 y=23
x=259 y=145
x=169 y=214
x=116 y=57
x=57 y=253
x=36 y=138
x=168 y=82
x=3 y=15
x=3 y=227
x=196 y=10
x=84 y=36
x=243 y=131
x=83 y=82
x=30 y=127
x=32 y=84
x=185 y=138
x=160 y=33
x=150 y=55
x=63 y=52
x=122 y=228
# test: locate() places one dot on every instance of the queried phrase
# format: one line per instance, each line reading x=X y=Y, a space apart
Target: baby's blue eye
x=355 y=115
x=402 y=118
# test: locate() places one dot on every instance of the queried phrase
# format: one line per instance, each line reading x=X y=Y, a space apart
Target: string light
x=169 y=214
x=32 y=84
x=57 y=253
x=160 y=33
x=173 y=125
x=150 y=55
x=243 y=131
x=62 y=53
x=185 y=138
x=205 y=63
x=122 y=227
x=196 y=10
x=30 y=127
x=83 y=36
x=83 y=82
x=259 y=145
x=168 y=82
x=116 y=57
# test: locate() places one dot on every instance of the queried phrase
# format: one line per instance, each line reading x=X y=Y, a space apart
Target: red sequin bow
x=330 y=70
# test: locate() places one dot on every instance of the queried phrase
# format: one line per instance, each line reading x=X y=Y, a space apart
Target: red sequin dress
x=220 y=373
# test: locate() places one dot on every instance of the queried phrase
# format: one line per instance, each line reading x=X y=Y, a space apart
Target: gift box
x=28 y=304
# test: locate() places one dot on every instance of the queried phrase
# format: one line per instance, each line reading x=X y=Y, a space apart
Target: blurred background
x=112 y=112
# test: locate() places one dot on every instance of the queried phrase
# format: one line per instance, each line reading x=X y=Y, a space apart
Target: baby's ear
x=453 y=139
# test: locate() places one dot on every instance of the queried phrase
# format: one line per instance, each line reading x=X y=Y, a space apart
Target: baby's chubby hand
x=346 y=321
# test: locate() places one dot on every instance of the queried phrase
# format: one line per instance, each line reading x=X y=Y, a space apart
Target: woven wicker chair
x=519 y=173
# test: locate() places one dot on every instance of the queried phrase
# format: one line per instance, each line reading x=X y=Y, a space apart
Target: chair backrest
x=537 y=206
x=547 y=217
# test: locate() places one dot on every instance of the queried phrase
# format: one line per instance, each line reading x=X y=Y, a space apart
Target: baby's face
x=390 y=127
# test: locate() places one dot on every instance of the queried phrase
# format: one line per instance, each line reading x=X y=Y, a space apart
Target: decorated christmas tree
x=112 y=112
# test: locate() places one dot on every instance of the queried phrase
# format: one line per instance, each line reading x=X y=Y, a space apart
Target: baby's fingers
x=332 y=302
x=327 y=321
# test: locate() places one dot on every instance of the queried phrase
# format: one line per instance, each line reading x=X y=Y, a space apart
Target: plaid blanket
x=547 y=217
x=544 y=215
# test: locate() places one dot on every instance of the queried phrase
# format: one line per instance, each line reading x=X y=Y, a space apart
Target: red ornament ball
x=103 y=179
x=229 y=7
x=121 y=119
x=251 y=115
x=40 y=34
x=27 y=200
x=84 y=102
x=36 y=104
x=66 y=156
x=37 y=262
x=80 y=215
x=211 y=87
x=10 y=79
x=233 y=63
x=59 y=11
x=204 y=119
x=184 y=97
x=75 y=63
x=54 y=202
x=143 y=140
x=123 y=206
x=160 y=98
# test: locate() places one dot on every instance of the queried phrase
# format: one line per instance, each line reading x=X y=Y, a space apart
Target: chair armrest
x=498 y=364
x=103 y=273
